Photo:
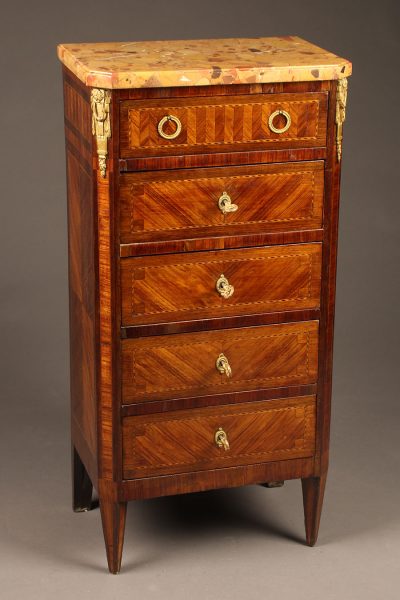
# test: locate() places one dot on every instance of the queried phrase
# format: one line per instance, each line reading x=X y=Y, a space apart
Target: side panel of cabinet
x=328 y=289
x=82 y=272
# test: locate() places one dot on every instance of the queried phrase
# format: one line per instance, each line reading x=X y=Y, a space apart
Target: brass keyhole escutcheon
x=221 y=439
x=174 y=134
x=223 y=287
x=223 y=365
x=225 y=204
x=276 y=114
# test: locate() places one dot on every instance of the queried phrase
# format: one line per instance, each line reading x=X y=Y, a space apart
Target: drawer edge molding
x=172 y=327
x=171 y=404
x=223 y=242
x=250 y=157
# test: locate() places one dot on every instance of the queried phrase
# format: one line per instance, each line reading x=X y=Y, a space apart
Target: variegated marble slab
x=201 y=62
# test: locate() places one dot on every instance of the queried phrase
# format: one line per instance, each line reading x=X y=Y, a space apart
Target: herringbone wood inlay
x=222 y=123
x=181 y=365
x=180 y=203
x=183 y=286
x=184 y=440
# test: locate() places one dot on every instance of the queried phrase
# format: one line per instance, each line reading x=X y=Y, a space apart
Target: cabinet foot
x=82 y=487
x=313 y=496
x=113 y=516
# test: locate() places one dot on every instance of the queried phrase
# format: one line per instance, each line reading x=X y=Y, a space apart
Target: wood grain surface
x=247 y=156
x=82 y=279
x=183 y=286
x=182 y=365
x=211 y=479
x=328 y=293
x=181 y=204
x=214 y=124
x=185 y=440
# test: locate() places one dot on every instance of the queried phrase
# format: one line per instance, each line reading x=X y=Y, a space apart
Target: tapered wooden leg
x=113 y=515
x=313 y=496
x=82 y=487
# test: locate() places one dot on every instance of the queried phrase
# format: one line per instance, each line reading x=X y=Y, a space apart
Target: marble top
x=118 y=65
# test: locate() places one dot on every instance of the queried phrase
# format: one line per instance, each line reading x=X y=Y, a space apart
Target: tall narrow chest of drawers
x=203 y=188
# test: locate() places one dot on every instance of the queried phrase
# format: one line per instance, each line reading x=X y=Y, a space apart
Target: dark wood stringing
x=160 y=406
x=221 y=159
x=244 y=320
x=220 y=242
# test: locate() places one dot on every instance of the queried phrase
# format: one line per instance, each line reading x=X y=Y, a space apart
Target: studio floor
x=245 y=543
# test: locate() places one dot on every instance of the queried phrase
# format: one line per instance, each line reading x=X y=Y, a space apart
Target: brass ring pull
x=221 y=439
x=223 y=287
x=223 y=365
x=169 y=136
x=226 y=205
x=285 y=127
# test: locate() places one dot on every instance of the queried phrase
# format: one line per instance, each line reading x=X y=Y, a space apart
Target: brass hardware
x=341 y=99
x=101 y=127
x=223 y=365
x=221 y=439
x=285 y=127
x=169 y=136
x=226 y=205
x=223 y=287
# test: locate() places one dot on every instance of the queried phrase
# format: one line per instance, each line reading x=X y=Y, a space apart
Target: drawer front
x=220 y=283
x=217 y=362
x=249 y=433
x=224 y=123
x=223 y=201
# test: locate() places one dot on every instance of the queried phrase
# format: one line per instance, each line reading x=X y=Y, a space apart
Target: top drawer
x=222 y=123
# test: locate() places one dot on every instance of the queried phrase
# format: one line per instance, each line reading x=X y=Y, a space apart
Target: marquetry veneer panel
x=274 y=197
x=184 y=440
x=219 y=124
x=183 y=286
x=173 y=366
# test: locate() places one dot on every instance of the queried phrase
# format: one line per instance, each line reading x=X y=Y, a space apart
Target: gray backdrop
x=225 y=544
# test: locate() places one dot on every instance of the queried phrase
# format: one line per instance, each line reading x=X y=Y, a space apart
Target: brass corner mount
x=101 y=127
x=341 y=99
